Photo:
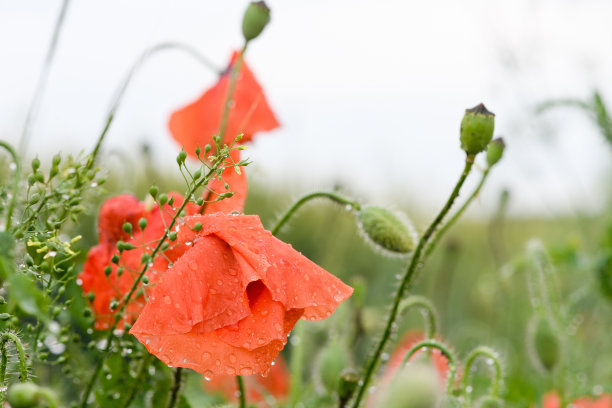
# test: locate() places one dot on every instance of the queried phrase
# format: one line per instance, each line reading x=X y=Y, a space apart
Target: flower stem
x=490 y=355
x=176 y=387
x=241 y=391
x=16 y=178
x=457 y=215
x=144 y=365
x=446 y=352
x=42 y=79
x=297 y=359
x=425 y=305
x=230 y=91
x=128 y=296
x=120 y=92
x=23 y=362
x=415 y=262
x=332 y=196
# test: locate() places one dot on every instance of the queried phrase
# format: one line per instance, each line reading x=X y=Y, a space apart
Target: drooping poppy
x=409 y=339
x=126 y=208
x=195 y=124
x=226 y=306
x=276 y=384
x=552 y=400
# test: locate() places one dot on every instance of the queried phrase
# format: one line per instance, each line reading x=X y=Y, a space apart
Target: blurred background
x=369 y=93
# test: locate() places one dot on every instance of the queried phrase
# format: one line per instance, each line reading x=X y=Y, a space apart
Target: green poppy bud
x=387 y=230
x=56 y=160
x=490 y=402
x=172 y=236
x=476 y=129
x=142 y=223
x=35 y=164
x=163 y=199
x=180 y=159
x=127 y=227
x=198 y=151
x=330 y=362
x=495 y=150
x=23 y=395
x=154 y=190
x=544 y=343
x=416 y=385
x=347 y=384
x=256 y=17
x=207 y=148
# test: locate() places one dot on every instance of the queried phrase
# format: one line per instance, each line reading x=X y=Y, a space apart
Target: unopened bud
x=172 y=235
x=476 y=129
x=180 y=159
x=256 y=17
x=23 y=395
x=35 y=163
x=154 y=190
x=387 y=230
x=163 y=199
x=347 y=384
x=198 y=151
x=142 y=223
x=495 y=151
x=108 y=270
x=331 y=361
x=545 y=346
x=127 y=227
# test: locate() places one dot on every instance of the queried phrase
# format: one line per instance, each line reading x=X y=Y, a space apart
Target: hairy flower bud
x=495 y=151
x=331 y=361
x=476 y=129
x=256 y=17
x=23 y=395
x=387 y=230
x=545 y=346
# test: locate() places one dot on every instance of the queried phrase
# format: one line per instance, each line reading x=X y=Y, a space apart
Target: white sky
x=370 y=93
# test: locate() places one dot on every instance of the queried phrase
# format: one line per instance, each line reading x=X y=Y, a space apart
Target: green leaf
x=23 y=292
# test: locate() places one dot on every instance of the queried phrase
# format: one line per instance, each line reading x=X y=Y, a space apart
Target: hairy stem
x=23 y=362
x=42 y=79
x=332 y=196
x=458 y=214
x=414 y=264
x=425 y=305
x=492 y=359
x=446 y=352
x=16 y=178
x=176 y=387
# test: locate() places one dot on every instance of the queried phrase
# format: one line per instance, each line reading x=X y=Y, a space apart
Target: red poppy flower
x=409 y=340
x=226 y=306
x=275 y=384
x=552 y=400
x=126 y=208
x=195 y=124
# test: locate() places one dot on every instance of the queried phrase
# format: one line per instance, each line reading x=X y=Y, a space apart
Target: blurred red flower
x=126 y=208
x=226 y=306
x=275 y=384
x=552 y=400
x=195 y=124
x=409 y=340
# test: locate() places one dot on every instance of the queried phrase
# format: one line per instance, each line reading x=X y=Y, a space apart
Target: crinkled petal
x=293 y=279
x=195 y=124
x=114 y=213
x=202 y=291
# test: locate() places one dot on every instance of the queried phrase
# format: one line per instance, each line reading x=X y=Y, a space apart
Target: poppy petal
x=237 y=184
x=114 y=213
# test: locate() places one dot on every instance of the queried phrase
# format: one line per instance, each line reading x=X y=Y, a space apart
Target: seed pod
x=476 y=129
x=415 y=385
x=545 y=346
x=347 y=384
x=256 y=17
x=490 y=402
x=495 y=151
x=387 y=230
x=23 y=395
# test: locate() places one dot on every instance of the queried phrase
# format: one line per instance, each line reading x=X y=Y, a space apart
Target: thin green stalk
x=332 y=196
x=458 y=214
x=492 y=359
x=120 y=92
x=42 y=79
x=140 y=376
x=16 y=178
x=241 y=391
x=128 y=296
x=415 y=262
x=176 y=387
x=446 y=352
x=230 y=91
x=425 y=305
x=297 y=363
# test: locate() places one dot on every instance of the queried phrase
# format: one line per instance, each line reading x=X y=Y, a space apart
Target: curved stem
x=415 y=262
x=458 y=214
x=176 y=387
x=48 y=396
x=16 y=178
x=425 y=305
x=332 y=196
x=241 y=391
x=446 y=352
x=491 y=355
x=23 y=362
x=42 y=79
x=126 y=81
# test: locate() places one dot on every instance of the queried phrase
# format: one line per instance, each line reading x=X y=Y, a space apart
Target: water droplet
x=167 y=300
x=206 y=355
x=232 y=358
